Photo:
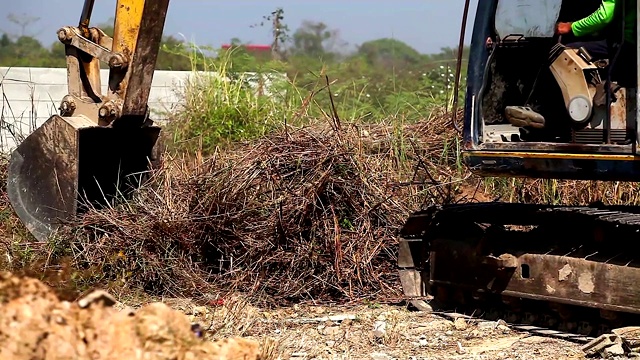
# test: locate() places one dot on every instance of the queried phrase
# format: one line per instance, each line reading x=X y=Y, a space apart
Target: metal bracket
x=69 y=35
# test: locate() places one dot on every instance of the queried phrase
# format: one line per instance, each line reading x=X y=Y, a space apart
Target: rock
x=460 y=324
x=99 y=297
x=380 y=356
x=331 y=343
x=630 y=335
x=200 y=311
x=487 y=325
x=608 y=344
x=503 y=328
x=379 y=329
x=422 y=306
x=614 y=350
x=627 y=331
x=494 y=325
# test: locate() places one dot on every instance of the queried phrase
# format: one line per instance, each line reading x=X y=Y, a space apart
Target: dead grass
x=310 y=214
x=307 y=214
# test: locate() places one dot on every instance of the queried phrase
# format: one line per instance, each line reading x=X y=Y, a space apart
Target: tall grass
x=222 y=106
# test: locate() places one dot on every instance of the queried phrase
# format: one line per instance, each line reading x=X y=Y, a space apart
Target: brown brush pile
x=310 y=214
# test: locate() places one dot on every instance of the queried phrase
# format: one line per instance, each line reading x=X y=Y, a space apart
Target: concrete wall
x=29 y=96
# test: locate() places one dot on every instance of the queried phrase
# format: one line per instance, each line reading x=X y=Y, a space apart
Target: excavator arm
x=100 y=144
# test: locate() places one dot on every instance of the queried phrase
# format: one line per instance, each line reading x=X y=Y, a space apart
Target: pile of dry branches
x=306 y=214
x=310 y=214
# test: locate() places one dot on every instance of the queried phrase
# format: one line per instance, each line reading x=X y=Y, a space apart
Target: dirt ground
x=388 y=332
x=35 y=324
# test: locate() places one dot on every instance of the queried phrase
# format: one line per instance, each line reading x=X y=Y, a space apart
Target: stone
x=380 y=356
x=614 y=350
x=460 y=324
x=379 y=329
x=97 y=297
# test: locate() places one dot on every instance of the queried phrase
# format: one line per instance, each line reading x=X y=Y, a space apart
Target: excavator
x=573 y=269
x=101 y=145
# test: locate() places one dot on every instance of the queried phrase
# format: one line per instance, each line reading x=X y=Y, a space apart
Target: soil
x=35 y=324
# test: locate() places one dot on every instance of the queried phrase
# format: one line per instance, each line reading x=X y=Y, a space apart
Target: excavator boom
x=100 y=144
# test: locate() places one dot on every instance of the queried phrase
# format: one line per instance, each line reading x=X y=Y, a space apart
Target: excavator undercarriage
x=571 y=269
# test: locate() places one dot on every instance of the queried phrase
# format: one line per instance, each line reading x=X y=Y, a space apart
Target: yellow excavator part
x=100 y=145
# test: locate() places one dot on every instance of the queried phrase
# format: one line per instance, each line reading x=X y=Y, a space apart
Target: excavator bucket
x=70 y=164
x=101 y=146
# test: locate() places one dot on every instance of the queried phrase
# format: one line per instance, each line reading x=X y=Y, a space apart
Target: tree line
x=376 y=76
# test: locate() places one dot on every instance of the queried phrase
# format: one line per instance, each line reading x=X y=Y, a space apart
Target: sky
x=426 y=25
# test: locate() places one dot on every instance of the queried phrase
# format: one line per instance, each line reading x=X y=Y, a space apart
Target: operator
x=608 y=18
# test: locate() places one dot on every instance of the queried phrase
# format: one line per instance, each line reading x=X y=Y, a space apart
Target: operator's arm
x=596 y=21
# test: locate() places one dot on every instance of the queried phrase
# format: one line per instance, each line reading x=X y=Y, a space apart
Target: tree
x=390 y=53
x=4 y=41
x=23 y=21
x=314 y=39
x=279 y=33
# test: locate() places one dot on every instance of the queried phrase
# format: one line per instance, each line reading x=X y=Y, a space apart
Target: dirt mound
x=35 y=324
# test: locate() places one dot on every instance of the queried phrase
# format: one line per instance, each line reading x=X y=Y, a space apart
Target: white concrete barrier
x=29 y=96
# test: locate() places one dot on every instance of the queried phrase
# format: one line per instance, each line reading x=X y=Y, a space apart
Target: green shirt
x=603 y=16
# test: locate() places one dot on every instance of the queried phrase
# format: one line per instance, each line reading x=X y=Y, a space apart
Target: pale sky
x=426 y=25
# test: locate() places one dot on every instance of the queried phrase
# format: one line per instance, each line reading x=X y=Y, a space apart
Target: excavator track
x=571 y=272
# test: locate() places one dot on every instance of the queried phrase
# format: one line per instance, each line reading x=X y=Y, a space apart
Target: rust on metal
x=556 y=147
x=42 y=177
x=562 y=267
x=549 y=277
x=144 y=58
x=82 y=156
x=75 y=39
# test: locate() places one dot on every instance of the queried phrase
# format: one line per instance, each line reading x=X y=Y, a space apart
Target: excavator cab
x=101 y=143
x=537 y=108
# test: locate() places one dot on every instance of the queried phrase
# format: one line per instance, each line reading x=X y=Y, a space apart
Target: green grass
x=220 y=108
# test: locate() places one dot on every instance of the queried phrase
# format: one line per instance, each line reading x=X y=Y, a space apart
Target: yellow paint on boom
x=127 y=25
